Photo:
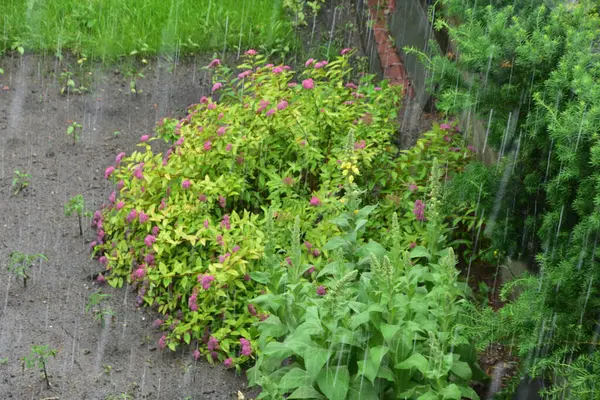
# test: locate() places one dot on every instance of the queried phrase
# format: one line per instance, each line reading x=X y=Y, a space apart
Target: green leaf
x=335 y=243
x=295 y=378
x=364 y=212
x=419 y=251
x=389 y=331
x=187 y=338
x=260 y=277
x=277 y=349
x=360 y=319
x=306 y=392
x=428 y=396
x=272 y=327
x=451 y=392
x=416 y=360
x=314 y=360
x=362 y=389
x=462 y=370
x=334 y=382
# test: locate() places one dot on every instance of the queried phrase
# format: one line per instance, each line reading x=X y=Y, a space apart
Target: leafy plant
x=20 y=181
x=76 y=205
x=99 y=310
x=386 y=325
x=74 y=130
x=38 y=358
x=20 y=263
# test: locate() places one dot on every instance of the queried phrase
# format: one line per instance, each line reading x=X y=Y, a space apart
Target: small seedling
x=74 y=130
x=3 y=360
x=99 y=311
x=38 y=358
x=107 y=368
x=20 y=181
x=116 y=133
x=19 y=264
x=77 y=206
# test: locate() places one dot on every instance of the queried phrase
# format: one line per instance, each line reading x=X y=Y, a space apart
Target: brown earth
x=92 y=362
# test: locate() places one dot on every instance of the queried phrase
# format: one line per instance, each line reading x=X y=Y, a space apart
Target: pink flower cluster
x=226 y=223
x=419 y=210
x=246 y=347
x=192 y=302
x=205 y=280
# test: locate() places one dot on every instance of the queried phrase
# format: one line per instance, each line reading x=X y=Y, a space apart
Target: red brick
x=380 y=35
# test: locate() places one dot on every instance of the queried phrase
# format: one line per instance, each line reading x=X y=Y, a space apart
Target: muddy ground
x=92 y=362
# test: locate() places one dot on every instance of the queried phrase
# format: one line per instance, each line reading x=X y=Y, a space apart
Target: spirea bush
x=187 y=227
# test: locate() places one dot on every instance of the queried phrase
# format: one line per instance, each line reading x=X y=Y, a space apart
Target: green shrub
x=382 y=324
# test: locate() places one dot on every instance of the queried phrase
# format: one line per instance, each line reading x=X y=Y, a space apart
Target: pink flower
x=217 y=86
x=222 y=201
x=220 y=117
x=149 y=259
x=149 y=240
x=262 y=104
x=235 y=249
x=120 y=184
x=472 y=149
x=162 y=342
x=186 y=184
x=377 y=89
x=119 y=158
x=206 y=224
x=247 y=277
x=157 y=323
x=192 y=302
x=206 y=280
x=245 y=74
x=143 y=217
x=308 y=84
x=144 y=138
x=101 y=279
x=155 y=230
x=445 y=127
x=228 y=147
x=226 y=223
x=221 y=131
x=309 y=271
x=288 y=260
x=319 y=65
x=309 y=62
x=202 y=197
x=228 y=363
x=137 y=172
x=179 y=142
x=212 y=106
x=103 y=260
x=250 y=52
x=120 y=205
x=308 y=245
x=360 y=145
x=268 y=65
x=412 y=187
x=112 y=197
x=223 y=258
x=292 y=84
x=345 y=51
x=351 y=85
x=139 y=273
x=270 y=112
x=316 y=252
x=412 y=245
x=277 y=70
x=207 y=145
x=196 y=355
x=251 y=309
x=447 y=139
x=321 y=291
x=162 y=205
x=314 y=201
x=246 y=347
x=203 y=100
x=108 y=172
x=213 y=343
x=282 y=105
x=419 y=210
x=214 y=63
x=131 y=216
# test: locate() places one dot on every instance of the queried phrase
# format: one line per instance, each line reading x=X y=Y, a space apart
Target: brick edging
x=391 y=63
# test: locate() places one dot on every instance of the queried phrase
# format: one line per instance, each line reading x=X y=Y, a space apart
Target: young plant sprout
x=38 y=358
x=74 y=130
x=77 y=206
x=20 y=181
x=20 y=263
x=98 y=309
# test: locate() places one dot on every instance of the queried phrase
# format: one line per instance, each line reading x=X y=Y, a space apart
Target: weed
x=100 y=311
x=77 y=206
x=20 y=181
x=74 y=130
x=38 y=358
x=20 y=263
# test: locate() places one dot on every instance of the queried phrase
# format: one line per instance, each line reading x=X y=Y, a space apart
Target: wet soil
x=93 y=362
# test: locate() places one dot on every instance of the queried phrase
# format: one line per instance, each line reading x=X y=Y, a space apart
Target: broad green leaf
x=389 y=331
x=314 y=360
x=416 y=360
x=364 y=212
x=306 y=392
x=361 y=389
x=359 y=319
x=277 y=349
x=260 y=277
x=462 y=370
x=295 y=378
x=428 y=396
x=272 y=327
x=419 y=251
x=451 y=392
x=335 y=243
x=334 y=381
